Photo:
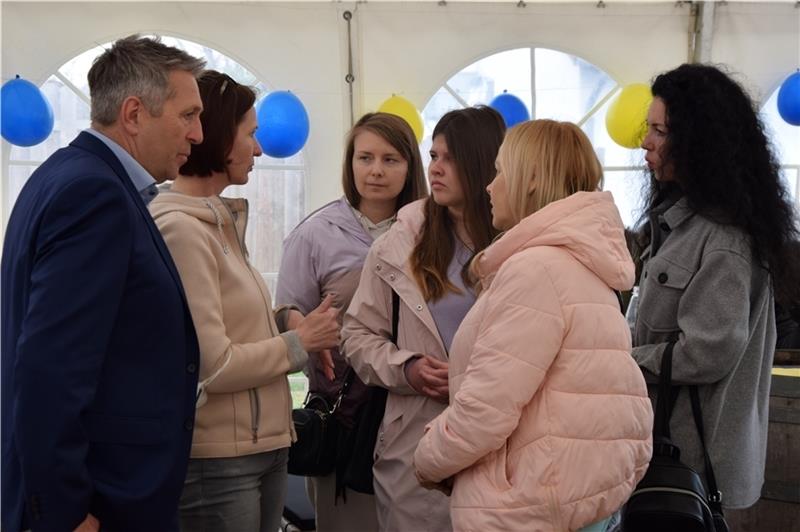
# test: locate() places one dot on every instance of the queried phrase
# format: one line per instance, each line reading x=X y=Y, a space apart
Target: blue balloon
x=26 y=117
x=511 y=108
x=789 y=99
x=282 y=124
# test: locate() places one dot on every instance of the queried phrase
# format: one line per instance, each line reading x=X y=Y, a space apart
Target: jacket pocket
x=495 y=468
x=390 y=428
x=124 y=430
x=664 y=283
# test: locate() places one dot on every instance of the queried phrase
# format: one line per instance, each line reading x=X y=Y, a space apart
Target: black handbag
x=354 y=469
x=671 y=495
x=314 y=452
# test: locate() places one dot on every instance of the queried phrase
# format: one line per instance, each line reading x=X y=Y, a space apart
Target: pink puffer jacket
x=549 y=423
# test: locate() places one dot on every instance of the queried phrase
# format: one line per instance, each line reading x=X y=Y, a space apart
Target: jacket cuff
x=281 y=313
x=298 y=357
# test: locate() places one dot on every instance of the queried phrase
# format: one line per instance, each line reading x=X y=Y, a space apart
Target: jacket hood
x=586 y=224
x=215 y=210
x=339 y=213
x=206 y=209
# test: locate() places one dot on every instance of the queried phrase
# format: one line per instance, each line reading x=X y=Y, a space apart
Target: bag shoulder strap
x=664 y=400
x=395 y=315
x=350 y=375
x=714 y=495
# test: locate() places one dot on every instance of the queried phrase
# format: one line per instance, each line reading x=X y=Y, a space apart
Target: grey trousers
x=240 y=494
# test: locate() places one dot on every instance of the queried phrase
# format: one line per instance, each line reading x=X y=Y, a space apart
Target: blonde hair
x=545 y=161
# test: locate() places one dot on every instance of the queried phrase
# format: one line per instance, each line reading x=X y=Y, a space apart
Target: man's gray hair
x=135 y=66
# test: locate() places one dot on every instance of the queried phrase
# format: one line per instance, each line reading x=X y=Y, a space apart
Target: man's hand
x=428 y=376
x=90 y=524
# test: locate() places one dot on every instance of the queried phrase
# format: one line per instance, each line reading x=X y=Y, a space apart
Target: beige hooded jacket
x=249 y=405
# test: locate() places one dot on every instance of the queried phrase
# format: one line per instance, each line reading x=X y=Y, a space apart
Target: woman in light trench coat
x=423 y=258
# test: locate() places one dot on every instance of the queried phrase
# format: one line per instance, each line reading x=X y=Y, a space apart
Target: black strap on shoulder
x=714 y=495
x=667 y=395
x=395 y=315
x=350 y=375
x=664 y=400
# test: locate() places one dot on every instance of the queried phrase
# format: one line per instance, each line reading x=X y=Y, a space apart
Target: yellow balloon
x=626 y=119
x=399 y=106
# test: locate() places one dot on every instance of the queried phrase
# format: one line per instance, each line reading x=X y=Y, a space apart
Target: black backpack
x=671 y=496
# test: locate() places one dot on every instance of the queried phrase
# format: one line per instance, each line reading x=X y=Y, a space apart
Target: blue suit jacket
x=99 y=354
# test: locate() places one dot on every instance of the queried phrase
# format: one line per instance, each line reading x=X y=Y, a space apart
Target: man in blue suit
x=99 y=354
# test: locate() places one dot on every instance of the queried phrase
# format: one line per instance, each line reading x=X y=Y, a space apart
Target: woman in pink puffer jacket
x=549 y=424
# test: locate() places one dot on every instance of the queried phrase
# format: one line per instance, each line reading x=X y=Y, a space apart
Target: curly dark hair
x=723 y=163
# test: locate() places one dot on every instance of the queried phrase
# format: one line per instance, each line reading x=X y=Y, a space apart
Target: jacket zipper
x=255 y=413
x=240 y=241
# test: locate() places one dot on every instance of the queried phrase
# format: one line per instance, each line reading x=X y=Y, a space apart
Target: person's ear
x=131 y=114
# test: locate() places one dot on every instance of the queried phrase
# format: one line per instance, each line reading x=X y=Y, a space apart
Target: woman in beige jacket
x=423 y=258
x=237 y=473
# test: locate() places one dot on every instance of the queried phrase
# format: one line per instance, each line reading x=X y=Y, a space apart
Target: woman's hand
x=325 y=361
x=445 y=486
x=324 y=358
x=320 y=329
x=428 y=376
x=293 y=319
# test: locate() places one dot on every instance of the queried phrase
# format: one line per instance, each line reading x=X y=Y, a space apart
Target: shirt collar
x=141 y=178
x=678 y=213
x=373 y=229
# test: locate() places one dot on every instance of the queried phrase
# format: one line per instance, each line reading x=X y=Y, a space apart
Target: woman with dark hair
x=424 y=260
x=718 y=223
x=324 y=254
x=243 y=426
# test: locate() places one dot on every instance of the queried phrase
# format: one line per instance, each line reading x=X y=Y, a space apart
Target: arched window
x=553 y=85
x=276 y=190
x=785 y=140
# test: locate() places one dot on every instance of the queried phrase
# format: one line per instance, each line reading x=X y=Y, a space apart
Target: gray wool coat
x=703 y=286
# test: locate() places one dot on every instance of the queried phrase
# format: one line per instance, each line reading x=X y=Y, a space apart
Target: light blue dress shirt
x=141 y=178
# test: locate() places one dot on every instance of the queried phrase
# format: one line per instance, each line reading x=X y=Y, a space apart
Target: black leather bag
x=356 y=455
x=671 y=496
x=314 y=452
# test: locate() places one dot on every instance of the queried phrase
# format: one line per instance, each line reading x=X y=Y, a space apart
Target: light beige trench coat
x=402 y=504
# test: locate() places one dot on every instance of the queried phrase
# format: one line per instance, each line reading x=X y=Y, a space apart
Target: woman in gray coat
x=717 y=225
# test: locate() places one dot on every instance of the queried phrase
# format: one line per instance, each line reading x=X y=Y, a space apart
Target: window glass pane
x=567 y=86
x=437 y=106
x=506 y=71
x=17 y=176
x=789 y=176
x=784 y=136
x=276 y=199
x=626 y=186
